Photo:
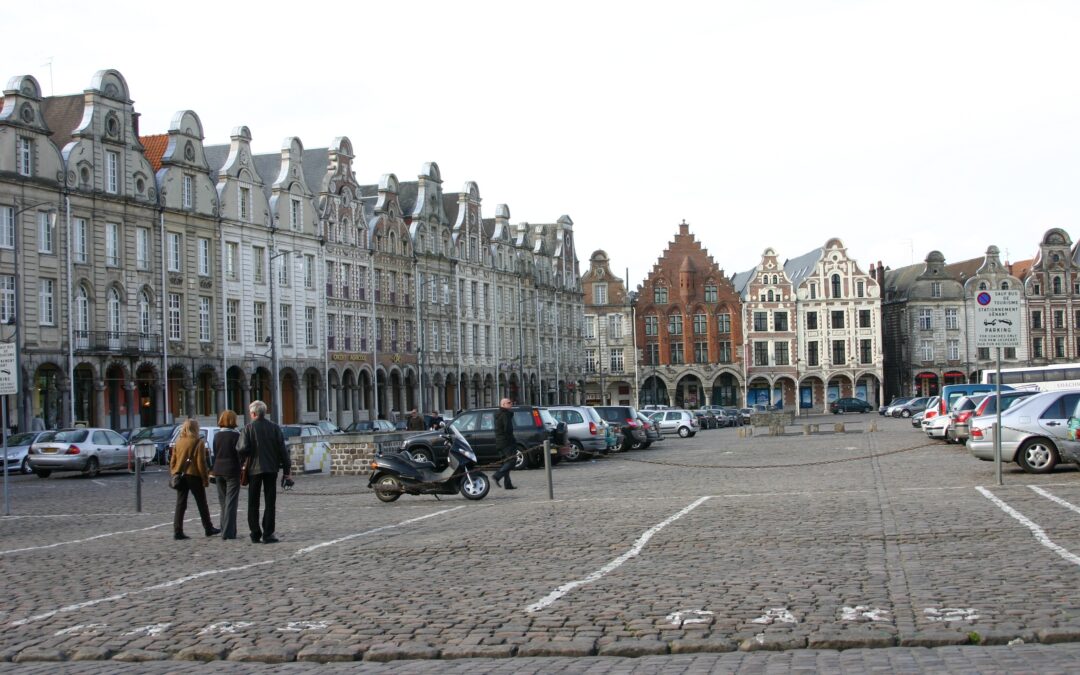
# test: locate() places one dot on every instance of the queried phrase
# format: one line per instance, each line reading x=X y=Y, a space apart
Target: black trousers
x=266 y=483
x=228 y=490
x=510 y=455
x=192 y=484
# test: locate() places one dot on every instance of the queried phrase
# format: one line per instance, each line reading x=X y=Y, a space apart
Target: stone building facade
x=992 y=274
x=1052 y=290
x=611 y=363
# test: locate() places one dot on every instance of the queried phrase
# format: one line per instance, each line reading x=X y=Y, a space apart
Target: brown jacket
x=195 y=448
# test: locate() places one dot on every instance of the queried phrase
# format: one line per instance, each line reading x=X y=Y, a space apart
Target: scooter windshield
x=462 y=445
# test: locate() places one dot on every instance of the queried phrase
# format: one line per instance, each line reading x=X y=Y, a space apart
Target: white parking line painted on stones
x=100 y=482
x=774 y=614
x=688 y=617
x=1054 y=498
x=614 y=564
x=297 y=626
x=226 y=627
x=152 y=630
x=83 y=541
x=332 y=542
x=860 y=612
x=1039 y=533
x=82 y=629
x=947 y=614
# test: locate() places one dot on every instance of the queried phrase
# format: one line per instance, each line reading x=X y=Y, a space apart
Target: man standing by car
x=262 y=447
x=416 y=421
x=505 y=443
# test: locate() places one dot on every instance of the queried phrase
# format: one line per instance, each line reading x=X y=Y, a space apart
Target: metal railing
x=116 y=341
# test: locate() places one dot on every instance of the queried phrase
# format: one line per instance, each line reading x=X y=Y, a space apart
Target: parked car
x=584 y=431
x=681 y=422
x=625 y=420
x=328 y=427
x=18 y=448
x=299 y=430
x=205 y=433
x=652 y=432
x=1008 y=399
x=1035 y=432
x=963 y=409
x=746 y=414
x=653 y=408
x=898 y=401
x=370 y=427
x=89 y=450
x=706 y=420
x=910 y=407
x=532 y=426
x=846 y=405
x=916 y=420
x=161 y=435
x=930 y=413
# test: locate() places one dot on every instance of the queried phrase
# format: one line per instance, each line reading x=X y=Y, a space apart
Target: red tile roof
x=1021 y=268
x=155 y=147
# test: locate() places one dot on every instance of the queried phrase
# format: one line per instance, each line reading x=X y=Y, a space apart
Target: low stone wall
x=350 y=454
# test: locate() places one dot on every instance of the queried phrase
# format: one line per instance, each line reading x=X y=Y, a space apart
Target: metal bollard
x=547 y=469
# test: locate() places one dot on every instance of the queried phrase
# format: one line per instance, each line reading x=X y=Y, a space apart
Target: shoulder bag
x=177 y=479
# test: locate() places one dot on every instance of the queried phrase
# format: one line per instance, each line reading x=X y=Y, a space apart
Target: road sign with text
x=9 y=374
x=998 y=318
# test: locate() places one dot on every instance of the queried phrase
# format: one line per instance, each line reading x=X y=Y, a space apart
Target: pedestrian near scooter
x=227 y=472
x=505 y=443
x=189 y=459
x=262 y=446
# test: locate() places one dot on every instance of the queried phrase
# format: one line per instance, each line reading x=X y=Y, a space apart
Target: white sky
x=900 y=127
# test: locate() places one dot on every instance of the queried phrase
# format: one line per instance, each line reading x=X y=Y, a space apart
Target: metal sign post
x=9 y=384
x=547 y=468
x=997 y=324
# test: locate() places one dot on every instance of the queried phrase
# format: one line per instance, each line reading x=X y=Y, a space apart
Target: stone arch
x=205 y=389
x=290 y=400
x=26 y=85
x=111 y=84
x=236 y=391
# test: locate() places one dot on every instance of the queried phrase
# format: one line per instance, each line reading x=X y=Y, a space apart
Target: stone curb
x=478 y=652
x=842 y=640
x=568 y=648
x=140 y=656
x=411 y=650
x=263 y=654
x=330 y=653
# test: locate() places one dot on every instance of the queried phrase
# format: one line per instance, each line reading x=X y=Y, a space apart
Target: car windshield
x=290 y=432
x=71 y=436
x=546 y=416
x=21 y=439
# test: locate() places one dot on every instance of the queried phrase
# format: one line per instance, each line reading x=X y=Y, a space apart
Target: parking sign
x=9 y=374
x=997 y=319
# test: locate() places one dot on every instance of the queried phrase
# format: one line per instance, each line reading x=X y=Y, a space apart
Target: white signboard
x=9 y=374
x=998 y=319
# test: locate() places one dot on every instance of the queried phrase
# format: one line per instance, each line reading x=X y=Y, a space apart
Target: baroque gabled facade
x=1052 y=287
x=770 y=324
x=992 y=274
x=611 y=375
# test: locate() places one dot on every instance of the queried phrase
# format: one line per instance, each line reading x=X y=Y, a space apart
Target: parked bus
x=1037 y=378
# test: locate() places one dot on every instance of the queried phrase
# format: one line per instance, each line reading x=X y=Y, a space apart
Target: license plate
x=49 y=451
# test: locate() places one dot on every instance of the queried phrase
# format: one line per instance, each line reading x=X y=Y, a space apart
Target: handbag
x=243 y=475
x=176 y=480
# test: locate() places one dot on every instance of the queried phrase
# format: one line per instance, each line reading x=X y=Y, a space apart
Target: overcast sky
x=900 y=127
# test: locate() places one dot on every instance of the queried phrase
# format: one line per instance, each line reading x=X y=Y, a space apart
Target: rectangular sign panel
x=9 y=374
x=998 y=318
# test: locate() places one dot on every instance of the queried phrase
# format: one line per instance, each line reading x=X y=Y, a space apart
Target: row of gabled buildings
x=801 y=332
x=147 y=277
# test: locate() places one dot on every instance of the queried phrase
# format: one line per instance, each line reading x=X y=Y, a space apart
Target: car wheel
x=684 y=432
x=387 y=489
x=905 y=413
x=422 y=455
x=93 y=468
x=521 y=460
x=43 y=473
x=576 y=453
x=25 y=466
x=1037 y=455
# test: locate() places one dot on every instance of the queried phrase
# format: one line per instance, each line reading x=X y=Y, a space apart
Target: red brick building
x=689 y=329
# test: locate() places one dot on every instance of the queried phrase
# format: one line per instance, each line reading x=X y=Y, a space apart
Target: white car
x=937 y=426
x=89 y=450
x=1035 y=432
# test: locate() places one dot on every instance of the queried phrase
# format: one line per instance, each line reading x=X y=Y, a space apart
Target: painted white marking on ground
x=774 y=614
x=152 y=630
x=99 y=482
x=82 y=629
x=226 y=627
x=1054 y=498
x=332 y=542
x=614 y=564
x=688 y=617
x=305 y=625
x=1039 y=533
x=83 y=541
x=948 y=614
x=860 y=612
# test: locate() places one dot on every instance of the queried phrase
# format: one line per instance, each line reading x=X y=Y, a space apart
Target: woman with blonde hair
x=227 y=472
x=189 y=460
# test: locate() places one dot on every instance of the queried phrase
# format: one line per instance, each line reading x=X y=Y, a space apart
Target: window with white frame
x=599 y=294
x=112 y=308
x=79 y=240
x=112 y=172
x=286 y=324
x=283 y=268
x=259 y=322
x=926 y=349
x=952 y=318
x=175 y=330
x=309 y=271
x=296 y=213
x=245 y=204
x=616 y=360
x=590 y=327
x=953 y=347
x=447 y=336
x=204 y=257
x=173 y=239
x=615 y=326
x=258 y=263
x=142 y=247
x=112 y=244
x=45 y=232
x=145 y=320
x=935 y=289
x=926 y=320
x=47 y=300
x=24 y=155
x=309 y=326
x=7 y=298
x=7 y=227
x=232 y=258
x=204 y=319
x=188 y=190
x=232 y=318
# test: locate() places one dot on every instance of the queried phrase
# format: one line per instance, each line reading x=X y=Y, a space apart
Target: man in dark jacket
x=262 y=447
x=505 y=443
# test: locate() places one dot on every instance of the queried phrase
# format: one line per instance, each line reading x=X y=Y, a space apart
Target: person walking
x=416 y=421
x=505 y=443
x=262 y=447
x=227 y=472
x=189 y=459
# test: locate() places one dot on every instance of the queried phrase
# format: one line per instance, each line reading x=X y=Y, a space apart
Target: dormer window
x=935 y=289
x=24 y=156
x=836 y=285
x=1057 y=285
x=245 y=204
x=188 y=190
x=660 y=295
x=296 y=213
x=112 y=172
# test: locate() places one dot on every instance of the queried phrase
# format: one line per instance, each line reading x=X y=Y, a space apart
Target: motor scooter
x=399 y=473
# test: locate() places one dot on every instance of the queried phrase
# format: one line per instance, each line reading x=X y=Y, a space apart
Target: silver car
x=681 y=422
x=585 y=430
x=18 y=448
x=90 y=450
x=1035 y=432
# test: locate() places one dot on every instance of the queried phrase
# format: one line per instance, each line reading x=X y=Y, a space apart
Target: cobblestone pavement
x=877 y=544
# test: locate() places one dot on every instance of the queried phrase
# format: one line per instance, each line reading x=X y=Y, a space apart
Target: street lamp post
x=274 y=352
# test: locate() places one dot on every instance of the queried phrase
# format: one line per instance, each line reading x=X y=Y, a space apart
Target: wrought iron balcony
x=117 y=342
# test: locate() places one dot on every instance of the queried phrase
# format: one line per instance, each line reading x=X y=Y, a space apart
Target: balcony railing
x=118 y=342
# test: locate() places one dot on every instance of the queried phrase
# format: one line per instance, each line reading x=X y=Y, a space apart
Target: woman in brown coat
x=189 y=458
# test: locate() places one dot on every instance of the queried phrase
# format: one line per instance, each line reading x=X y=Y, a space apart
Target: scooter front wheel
x=475 y=485
x=387 y=489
